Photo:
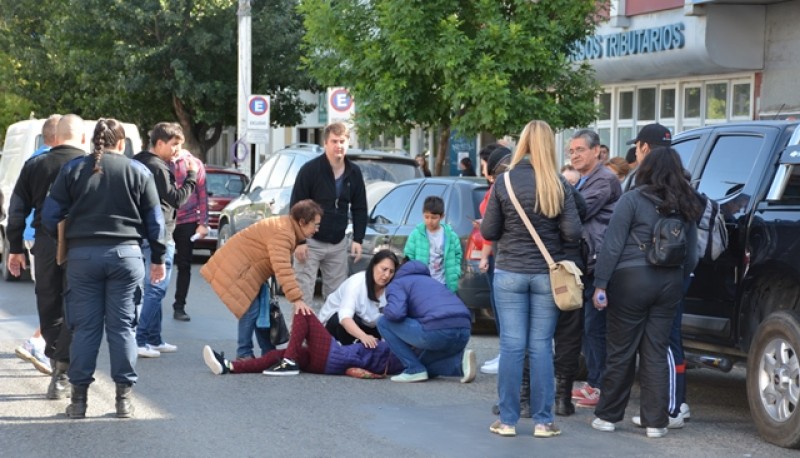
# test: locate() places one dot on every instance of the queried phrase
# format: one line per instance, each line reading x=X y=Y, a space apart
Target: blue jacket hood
x=412 y=267
x=415 y=295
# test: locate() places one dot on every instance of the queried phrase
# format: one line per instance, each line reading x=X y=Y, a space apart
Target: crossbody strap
x=527 y=221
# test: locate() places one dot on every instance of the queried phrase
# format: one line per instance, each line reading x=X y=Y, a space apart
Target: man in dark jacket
x=336 y=184
x=600 y=189
x=426 y=326
x=166 y=139
x=33 y=184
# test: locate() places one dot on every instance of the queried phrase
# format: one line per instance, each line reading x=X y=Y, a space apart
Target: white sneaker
x=685 y=412
x=491 y=366
x=602 y=425
x=147 y=352
x=164 y=348
x=656 y=432
x=468 y=364
x=674 y=422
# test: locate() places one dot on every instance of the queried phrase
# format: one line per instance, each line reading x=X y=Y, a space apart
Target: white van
x=22 y=139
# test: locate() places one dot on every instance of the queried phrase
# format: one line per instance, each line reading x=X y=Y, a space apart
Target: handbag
x=278 y=331
x=565 y=276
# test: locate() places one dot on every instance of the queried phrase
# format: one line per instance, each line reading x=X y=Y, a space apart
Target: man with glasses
x=600 y=189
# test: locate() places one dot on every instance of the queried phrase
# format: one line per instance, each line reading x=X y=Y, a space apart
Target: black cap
x=496 y=157
x=653 y=135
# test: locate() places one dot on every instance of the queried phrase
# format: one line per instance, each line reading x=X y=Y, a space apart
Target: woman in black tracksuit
x=642 y=297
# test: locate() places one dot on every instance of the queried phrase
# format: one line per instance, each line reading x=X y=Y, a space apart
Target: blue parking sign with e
x=341 y=100
x=258 y=106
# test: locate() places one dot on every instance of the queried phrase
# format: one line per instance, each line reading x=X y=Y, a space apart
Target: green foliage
x=12 y=107
x=154 y=60
x=474 y=65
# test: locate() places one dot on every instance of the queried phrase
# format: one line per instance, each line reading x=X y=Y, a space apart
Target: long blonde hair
x=538 y=143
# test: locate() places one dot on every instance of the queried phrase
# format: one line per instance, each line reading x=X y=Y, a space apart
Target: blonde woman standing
x=525 y=305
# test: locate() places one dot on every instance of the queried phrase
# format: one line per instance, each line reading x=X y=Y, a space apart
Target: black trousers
x=340 y=333
x=183 y=261
x=50 y=288
x=641 y=307
x=568 y=339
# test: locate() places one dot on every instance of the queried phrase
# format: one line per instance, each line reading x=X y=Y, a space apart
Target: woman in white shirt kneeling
x=351 y=312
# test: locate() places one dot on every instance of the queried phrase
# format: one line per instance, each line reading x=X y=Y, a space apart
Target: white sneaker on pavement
x=147 y=352
x=674 y=422
x=491 y=366
x=164 y=348
x=685 y=412
x=468 y=364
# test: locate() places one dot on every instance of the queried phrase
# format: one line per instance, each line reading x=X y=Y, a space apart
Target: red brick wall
x=634 y=7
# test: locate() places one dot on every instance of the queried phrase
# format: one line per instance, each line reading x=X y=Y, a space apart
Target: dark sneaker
x=285 y=367
x=546 y=430
x=215 y=361
x=181 y=315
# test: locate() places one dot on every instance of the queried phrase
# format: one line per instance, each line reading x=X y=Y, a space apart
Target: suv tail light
x=474 y=244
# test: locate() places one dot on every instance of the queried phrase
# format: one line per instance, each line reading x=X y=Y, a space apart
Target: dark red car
x=222 y=185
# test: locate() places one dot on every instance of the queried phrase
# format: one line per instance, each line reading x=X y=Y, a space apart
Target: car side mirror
x=255 y=193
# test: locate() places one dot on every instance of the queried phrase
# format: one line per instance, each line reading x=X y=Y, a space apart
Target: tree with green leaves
x=154 y=60
x=471 y=65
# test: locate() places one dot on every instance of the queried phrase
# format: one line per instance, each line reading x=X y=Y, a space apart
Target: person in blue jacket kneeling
x=426 y=326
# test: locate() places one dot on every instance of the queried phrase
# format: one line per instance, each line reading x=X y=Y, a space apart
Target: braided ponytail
x=107 y=134
x=99 y=144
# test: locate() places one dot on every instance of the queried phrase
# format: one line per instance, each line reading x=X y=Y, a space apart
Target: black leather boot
x=124 y=400
x=564 y=406
x=525 y=391
x=59 y=385
x=77 y=408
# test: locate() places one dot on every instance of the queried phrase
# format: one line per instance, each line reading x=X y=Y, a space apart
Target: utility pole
x=244 y=17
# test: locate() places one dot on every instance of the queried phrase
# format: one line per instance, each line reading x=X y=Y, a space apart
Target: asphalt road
x=182 y=410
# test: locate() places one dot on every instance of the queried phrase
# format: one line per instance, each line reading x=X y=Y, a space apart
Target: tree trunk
x=186 y=120
x=196 y=138
x=444 y=150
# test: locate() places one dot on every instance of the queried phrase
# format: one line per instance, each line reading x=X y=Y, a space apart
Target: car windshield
x=383 y=170
x=224 y=184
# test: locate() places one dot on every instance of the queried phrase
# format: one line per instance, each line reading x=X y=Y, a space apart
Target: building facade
x=689 y=63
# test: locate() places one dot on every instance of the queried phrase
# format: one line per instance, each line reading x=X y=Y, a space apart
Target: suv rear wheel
x=773 y=379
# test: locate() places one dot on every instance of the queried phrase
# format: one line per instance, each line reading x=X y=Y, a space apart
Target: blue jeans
x=149 y=329
x=528 y=317
x=247 y=325
x=594 y=336
x=437 y=351
x=102 y=284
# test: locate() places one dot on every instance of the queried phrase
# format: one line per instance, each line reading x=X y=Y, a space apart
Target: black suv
x=270 y=190
x=745 y=306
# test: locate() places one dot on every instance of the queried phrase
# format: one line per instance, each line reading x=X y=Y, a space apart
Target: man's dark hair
x=433 y=204
x=166 y=131
x=590 y=136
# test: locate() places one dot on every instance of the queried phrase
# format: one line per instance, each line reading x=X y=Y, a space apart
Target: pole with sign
x=341 y=108
x=258 y=127
x=258 y=119
x=340 y=105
